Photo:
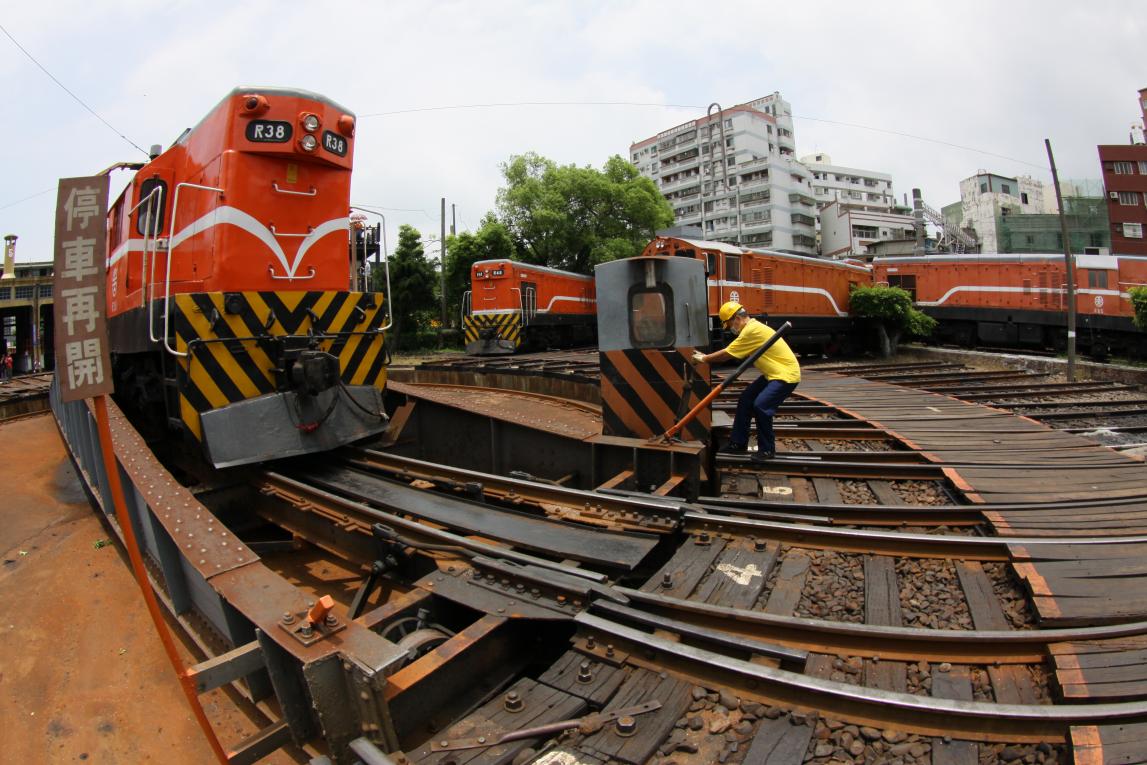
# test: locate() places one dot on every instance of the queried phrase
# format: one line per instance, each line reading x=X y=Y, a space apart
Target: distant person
x=6 y=368
x=780 y=374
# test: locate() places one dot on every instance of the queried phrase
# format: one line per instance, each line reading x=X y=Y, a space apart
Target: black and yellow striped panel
x=506 y=326
x=641 y=393
x=235 y=360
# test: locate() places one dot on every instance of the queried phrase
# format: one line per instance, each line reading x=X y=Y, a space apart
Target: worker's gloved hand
x=698 y=357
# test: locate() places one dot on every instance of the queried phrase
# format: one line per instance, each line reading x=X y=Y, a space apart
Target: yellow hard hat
x=729 y=310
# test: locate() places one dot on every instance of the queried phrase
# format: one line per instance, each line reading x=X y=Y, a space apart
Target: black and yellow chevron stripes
x=231 y=355
x=506 y=326
x=644 y=392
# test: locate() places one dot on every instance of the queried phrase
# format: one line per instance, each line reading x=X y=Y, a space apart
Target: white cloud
x=999 y=77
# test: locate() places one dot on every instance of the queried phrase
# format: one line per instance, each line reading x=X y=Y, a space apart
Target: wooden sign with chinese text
x=83 y=366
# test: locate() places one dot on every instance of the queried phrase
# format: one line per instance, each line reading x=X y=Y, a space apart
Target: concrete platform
x=83 y=676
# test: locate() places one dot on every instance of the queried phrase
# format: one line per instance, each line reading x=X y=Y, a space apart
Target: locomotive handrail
x=288 y=277
x=385 y=263
x=143 y=275
x=466 y=306
x=312 y=193
x=521 y=305
x=171 y=243
x=303 y=235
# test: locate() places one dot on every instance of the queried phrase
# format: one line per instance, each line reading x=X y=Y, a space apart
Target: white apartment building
x=986 y=196
x=736 y=176
x=849 y=231
x=848 y=185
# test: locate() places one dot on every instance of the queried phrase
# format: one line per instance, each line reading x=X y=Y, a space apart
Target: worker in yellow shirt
x=780 y=374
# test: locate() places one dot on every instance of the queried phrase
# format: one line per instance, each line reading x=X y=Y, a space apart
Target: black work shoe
x=733 y=449
x=761 y=457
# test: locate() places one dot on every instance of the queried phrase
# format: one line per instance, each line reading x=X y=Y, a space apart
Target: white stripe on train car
x=783 y=288
x=240 y=219
x=1028 y=290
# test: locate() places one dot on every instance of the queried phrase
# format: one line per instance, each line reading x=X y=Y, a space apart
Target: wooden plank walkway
x=997 y=458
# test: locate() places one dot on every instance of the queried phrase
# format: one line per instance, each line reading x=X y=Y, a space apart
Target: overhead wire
x=69 y=92
x=516 y=104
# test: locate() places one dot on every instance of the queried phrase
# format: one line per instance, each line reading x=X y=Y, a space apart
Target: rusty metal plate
x=203 y=540
x=562 y=417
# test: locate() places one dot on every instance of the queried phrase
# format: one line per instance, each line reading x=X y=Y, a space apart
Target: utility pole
x=1069 y=262
x=453 y=219
x=442 y=265
x=918 y=216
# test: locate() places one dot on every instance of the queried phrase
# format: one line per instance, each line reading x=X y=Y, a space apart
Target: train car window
x=651 y=317
x=733 y=268
x=906 y=282
x=710 y=264
x=154 y=206
x=686 y=253
x=1097 y=279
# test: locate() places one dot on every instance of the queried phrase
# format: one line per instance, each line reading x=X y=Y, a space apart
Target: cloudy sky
x=994 y=77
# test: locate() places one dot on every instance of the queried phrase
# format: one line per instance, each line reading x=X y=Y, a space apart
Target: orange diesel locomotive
x=233 y=311
x=810 y=292
x=515 y=306
x=1021 y=300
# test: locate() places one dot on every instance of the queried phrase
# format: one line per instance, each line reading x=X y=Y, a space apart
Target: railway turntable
x=521 y=569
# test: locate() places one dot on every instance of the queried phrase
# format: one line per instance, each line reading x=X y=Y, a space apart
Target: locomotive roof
x=520 y=264
x=993 y=257
x=270 y=90
x=733 y=249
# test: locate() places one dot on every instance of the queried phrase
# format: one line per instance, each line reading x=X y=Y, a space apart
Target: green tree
x=1139 y=303
x=571 y=217
x=412 y=281
x=491 y=241
x=889 y=311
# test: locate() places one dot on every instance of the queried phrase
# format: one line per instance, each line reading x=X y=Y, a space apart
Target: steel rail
x=624 y=511
x=1018 y=394
x=309 y=498
x=879 y=542
x=865 y=640
x=1139 y=411
x=828 y=507
x=1041 y=389
x=960 y=719
x=1067 y=404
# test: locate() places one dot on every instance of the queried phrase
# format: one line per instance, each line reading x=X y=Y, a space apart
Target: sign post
x=83 y=370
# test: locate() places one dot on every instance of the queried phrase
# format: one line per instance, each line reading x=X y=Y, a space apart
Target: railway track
x=918 y=579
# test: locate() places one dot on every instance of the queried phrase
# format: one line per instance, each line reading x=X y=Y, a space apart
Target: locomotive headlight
x=308 y=142
x=310 y=123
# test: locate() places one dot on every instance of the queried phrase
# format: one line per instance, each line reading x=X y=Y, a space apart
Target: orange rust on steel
x=412 y=674
x=604 y=509
x=186 y=680
x=1025 y=647
x=858 y=712
x=572 y=403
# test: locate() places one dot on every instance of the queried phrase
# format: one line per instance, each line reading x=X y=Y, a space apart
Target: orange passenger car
x=810 y=292
x=1021 y=300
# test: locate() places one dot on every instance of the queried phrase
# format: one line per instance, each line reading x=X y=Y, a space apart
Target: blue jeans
x=760 y=399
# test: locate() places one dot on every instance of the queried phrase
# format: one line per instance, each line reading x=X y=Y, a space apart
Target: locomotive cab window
x=710 y=264
x=651 y=317
x=1097 y=279
x=733 y=268
x=150 y=213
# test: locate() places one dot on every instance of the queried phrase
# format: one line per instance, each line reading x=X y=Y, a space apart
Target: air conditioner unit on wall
x=1114 y=195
